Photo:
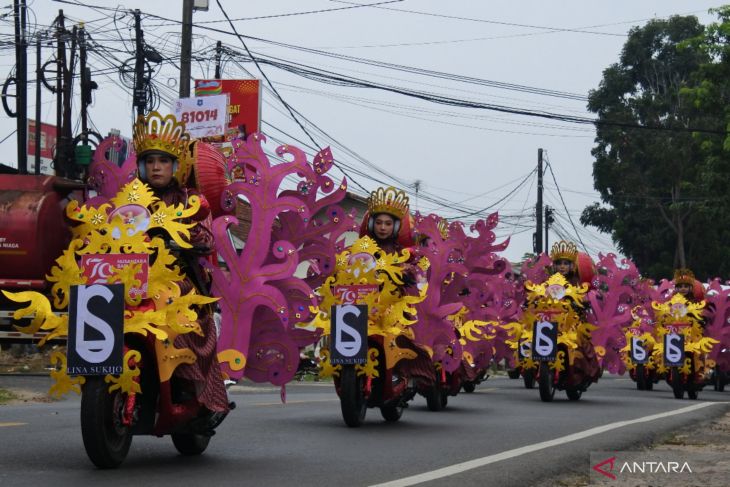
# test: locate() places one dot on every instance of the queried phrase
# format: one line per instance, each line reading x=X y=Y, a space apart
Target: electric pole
x=37 y=134
x=21 y=58
x=186 y=48
x=538 y=206
x=140 y=94
x=218 y=52
x=59 y=160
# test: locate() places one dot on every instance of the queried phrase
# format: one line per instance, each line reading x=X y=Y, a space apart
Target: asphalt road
x=503 y=432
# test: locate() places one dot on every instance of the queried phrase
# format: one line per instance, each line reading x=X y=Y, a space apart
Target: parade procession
x=202 y=275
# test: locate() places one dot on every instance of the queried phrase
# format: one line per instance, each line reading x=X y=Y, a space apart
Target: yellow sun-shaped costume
x=681 y=316
x=390 y=311
x=557 y=301
x=121 y=226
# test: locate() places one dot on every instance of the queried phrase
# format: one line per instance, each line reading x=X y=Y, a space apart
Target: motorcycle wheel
x=435 y=398
x=444 y=399
x=719 y=381
x=391 y=413
x=677 y=386
x=574 y=394
x=513 y=373
x=469 y=387
x=693 y=394
x=545 y=383
x=529 y=378
x=352 y=399
x=106 y=440
x=640 y=378
x=189 y=443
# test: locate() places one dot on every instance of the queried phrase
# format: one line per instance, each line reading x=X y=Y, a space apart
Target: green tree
x=659 y=197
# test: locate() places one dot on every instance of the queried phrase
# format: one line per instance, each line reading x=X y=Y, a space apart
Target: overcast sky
x=465 y=159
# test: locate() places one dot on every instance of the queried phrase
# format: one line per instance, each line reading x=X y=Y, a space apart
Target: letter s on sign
x=93 y=351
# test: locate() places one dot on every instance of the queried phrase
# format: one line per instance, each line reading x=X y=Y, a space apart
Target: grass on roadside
x=6 y=396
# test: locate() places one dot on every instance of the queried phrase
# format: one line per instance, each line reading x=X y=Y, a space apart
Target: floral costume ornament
x=683 y=317
x=390 y=312
x=109 y=229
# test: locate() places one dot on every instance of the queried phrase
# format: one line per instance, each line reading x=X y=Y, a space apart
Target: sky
x=465 y=162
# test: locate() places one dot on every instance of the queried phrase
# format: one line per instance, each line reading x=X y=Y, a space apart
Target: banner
x=48 y=146
x=204 y=116
x=244 y=103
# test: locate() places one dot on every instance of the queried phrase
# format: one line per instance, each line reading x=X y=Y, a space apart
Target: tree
x=660 y=199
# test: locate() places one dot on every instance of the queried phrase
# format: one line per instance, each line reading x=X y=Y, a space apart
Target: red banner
x=48 y=146
x=244 y=102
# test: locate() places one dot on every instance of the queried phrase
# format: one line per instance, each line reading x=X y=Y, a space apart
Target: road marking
x=488 y=389
x=2 y=425
x=505 y=455
x=303 y=401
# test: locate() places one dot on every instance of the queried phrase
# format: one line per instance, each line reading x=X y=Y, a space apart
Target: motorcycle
x=370 y=352
x=638 y=355
x=681 y=346
x=560 y=338
x=123 y=284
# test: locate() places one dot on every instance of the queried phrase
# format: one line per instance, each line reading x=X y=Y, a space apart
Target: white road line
x=505 y=455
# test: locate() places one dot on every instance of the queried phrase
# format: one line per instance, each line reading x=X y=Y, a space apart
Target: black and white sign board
x=349 y=334
x=639 y=354
x=524 y=347
x=673 y=350
x=545 y=341
x=95 y=330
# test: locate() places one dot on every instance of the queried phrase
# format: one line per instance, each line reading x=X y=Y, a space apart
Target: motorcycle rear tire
x=189 y=443
x=641 y=378
x=529 y=378
x=513 y=373
x=106 y=440
x=574 y=394
x=391 y=413
x=677 y=385
x=435 y=398
x=352 y=398
x=545 y=382
x=469 y=387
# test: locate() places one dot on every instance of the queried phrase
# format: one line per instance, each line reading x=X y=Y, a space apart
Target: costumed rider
x=165 y=162
x=388 y=222
x=564 y=256
x=685 y=284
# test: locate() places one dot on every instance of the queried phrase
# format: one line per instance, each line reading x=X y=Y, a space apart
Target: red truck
x=33 y=234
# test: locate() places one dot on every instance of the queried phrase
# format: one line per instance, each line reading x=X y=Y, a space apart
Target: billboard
x=244 y=102
x=48 y=147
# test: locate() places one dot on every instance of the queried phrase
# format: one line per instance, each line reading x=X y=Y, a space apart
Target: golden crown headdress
x=564 y=250
x=684 y=276
x=391 y=201
x=155 y=133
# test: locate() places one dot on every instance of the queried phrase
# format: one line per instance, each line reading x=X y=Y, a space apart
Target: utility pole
x=186 y=48
x=538 y=207
x=85 y=91
x=38 y=74
x=140 y=95
x=218 y=52
x=67 y=127
x=59 y=161
x=21 y=57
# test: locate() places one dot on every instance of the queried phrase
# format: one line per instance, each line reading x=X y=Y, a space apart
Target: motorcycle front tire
x=105 y=439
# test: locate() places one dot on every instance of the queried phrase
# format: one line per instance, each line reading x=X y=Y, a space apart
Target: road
x=505 y=433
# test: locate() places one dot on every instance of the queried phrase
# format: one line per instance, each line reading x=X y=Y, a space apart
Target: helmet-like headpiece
x=391 y=201
x=684 y=276
x=155 y=133
x=564 y=250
